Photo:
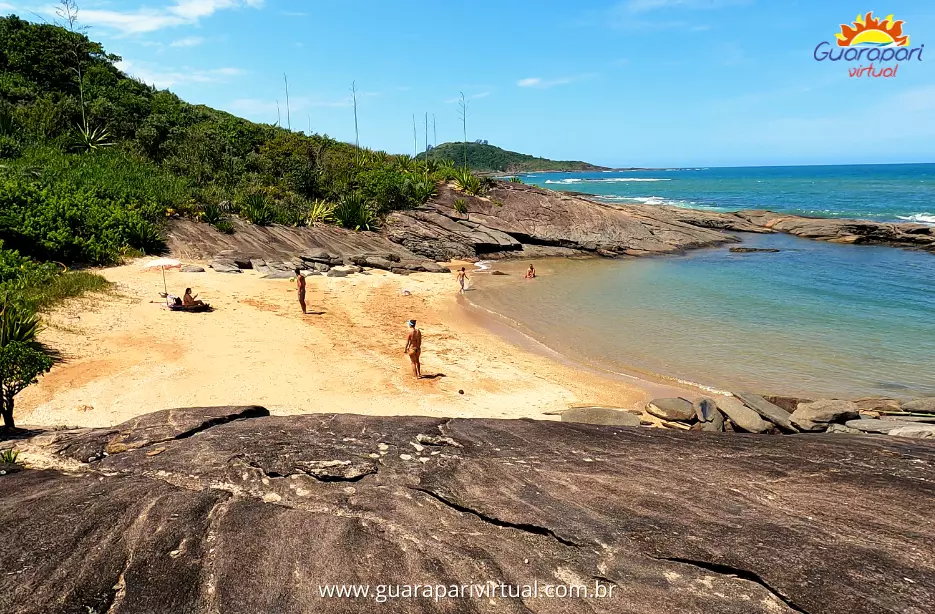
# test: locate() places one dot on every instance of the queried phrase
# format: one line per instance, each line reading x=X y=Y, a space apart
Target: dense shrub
x=354 y=212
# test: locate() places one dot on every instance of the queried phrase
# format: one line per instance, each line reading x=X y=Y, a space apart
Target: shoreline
x=126 y=355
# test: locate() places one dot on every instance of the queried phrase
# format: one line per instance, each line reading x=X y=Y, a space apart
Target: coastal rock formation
x=256 y=514
x=816 y=416
x=511 y=216
x=907 y=234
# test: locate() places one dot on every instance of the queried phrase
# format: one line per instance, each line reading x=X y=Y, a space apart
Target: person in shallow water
x=462 y=278
x=300 y=289
x=531 y=272
x=414 y=348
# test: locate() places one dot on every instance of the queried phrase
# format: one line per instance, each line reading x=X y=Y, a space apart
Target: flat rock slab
x=768 y=411
x=224 y=266
x=192 y=268
x=256 y=514
x=675 y=408
x=816 y=416
x=600 y=415
x=925 y=405
x=915 y=431
x=742 y=416
x=876 y=426
x=279 y=275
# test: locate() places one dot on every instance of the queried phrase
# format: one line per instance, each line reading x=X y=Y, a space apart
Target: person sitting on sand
x=462 y=278
x=531 y=273
x=414 y=348
x=189 y=301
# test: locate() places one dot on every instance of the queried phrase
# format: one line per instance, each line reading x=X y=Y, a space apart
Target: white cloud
x=145 y=19
x=190 y=41
x=164 y=78
x=540 y=83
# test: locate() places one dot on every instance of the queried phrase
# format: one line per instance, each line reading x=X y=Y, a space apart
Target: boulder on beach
x=224 y=266
x=220 y=511
x=600 y=415
x=876 y=426
x=279 y=275
x=742 y=416
x=677 y=409
x=843 y=429
x=925 y=405
x=914 y=431
x=877 y=404
x=816 y=416
x=769 y=411
x=192 y=268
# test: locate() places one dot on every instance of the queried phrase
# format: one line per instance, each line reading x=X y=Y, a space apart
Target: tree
x=20 y=367
x=463 y=112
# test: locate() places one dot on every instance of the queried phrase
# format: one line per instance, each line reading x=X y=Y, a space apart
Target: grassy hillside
x=489 y=158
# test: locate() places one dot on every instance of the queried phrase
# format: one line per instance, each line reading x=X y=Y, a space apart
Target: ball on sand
x=460 y=392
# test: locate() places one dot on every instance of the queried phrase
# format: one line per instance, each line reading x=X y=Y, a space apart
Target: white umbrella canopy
x=161 y=264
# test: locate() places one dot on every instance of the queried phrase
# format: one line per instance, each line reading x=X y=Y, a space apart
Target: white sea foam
x=922 y=218
x=612 y=180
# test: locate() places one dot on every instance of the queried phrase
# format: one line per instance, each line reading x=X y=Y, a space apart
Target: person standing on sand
x=462 y=278
x=300 y=289
x=414 y=348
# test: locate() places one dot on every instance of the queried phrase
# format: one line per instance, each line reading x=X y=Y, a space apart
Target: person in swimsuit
x=189 y=301
x=414 y=348
x=300 y=289
x=462 y=278
x=531 y=272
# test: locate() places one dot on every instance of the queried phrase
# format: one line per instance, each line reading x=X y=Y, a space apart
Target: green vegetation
x=491 y=159
x=9 y=457
x=460 y=206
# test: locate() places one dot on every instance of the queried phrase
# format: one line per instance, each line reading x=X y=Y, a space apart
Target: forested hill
x=489 y=158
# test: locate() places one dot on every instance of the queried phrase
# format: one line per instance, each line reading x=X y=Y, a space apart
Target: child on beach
x=531 y=273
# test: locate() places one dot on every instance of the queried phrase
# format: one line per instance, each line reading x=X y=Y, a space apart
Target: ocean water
x=815 y=320
x=892 y=192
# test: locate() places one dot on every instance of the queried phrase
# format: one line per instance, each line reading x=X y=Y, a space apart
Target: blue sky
x=628 y=83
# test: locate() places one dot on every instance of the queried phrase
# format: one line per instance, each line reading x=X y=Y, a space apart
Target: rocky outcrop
x=861 y=232
x=260 y=514
x=511 y=216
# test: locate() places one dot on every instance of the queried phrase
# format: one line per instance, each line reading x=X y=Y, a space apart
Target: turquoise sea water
x=816 y=319
x=893 y=192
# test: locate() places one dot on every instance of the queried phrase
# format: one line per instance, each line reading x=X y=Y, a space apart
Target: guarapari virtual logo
x=875 y=45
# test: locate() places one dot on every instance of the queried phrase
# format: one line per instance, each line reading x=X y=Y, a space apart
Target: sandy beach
x=127 y=355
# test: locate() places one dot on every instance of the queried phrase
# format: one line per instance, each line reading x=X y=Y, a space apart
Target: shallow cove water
x=814 y=320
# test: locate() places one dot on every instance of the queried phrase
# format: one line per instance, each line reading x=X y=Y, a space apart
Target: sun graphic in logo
x=870 y=32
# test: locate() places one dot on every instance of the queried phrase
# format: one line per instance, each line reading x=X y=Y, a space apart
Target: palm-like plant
x=91 y=139
x=515 y=179
x=422 y=189
x=460 y=206
x=468 y=182
x=18 y=324
x=319 y=212
x=403 y=162
x=256 y=209
x=353 y=212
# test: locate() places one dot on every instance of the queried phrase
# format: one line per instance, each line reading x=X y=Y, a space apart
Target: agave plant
x=91 y=139
x=9 y=457
x=515 y=179
x=460 y=206
x=353 y=212
x=319 y=212
x=403 y=162
x=468 y=182
x=212 y=213
x=422 y=189
x=257 y=210
x=18 y=325
x=145 y=236
x=225 y=226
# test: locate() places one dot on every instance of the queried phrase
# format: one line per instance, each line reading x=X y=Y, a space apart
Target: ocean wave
x=612 y=180
x=922 y=218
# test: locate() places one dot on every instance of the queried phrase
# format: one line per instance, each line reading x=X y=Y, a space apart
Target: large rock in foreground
x=189 y=513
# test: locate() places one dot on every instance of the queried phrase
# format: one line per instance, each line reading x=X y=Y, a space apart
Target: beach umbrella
x=161 y=264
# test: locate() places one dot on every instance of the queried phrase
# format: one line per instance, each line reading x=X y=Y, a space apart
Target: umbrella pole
x=164 y=285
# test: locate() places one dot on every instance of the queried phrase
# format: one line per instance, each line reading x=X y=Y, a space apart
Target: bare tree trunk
x=464 y=113
x=426 y=132
x=415 y=147
x=288 y=111
x=356 y=132
x=7 y=410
